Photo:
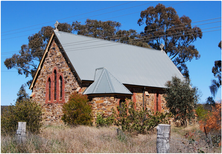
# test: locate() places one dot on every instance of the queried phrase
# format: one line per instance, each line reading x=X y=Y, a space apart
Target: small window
x=55 y=85
x=49 y=84
x=60 y=89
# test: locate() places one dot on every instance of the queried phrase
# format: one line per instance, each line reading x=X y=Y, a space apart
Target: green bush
x=23 y=111
x=201 y=112
x=77 y=111
x=129 y=119
x=101 y=120
x=181 y=99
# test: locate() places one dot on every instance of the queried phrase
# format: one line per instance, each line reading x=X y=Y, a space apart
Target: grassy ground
x=63 y=139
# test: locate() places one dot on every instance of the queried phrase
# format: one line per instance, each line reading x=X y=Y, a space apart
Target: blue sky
x=19 y=20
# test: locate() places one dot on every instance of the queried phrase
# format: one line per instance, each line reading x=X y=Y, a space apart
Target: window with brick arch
x=55 y=85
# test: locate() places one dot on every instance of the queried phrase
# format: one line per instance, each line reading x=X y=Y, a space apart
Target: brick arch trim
x=58 y=87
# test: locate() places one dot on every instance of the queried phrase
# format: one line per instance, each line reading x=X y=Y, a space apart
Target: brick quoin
x=155 y=103
x=159 y=103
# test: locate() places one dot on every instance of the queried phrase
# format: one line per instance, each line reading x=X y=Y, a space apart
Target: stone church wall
x=104 y=105
x=52 y=112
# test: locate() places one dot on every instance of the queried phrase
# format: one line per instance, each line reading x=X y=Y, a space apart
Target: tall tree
x=22 y=95
x=163 y=25
x=181 y=99
x=216 y=70
x=108 y=30
x=28 y=58
x=209 y=103
x=98 y=29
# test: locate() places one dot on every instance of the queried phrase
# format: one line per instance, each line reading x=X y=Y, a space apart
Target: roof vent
x=56 y=25
x=161 y=46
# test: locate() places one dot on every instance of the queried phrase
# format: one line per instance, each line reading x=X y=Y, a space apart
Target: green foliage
x=163 y=24
x=140 y=121
x=77 y=111
x=210 y=101
x=108 y=30
x=23 y=111
x=22 y=95
x=216 y=70
x=181 y=99
x=29 y=54
x=201 y=112
x=101 y=120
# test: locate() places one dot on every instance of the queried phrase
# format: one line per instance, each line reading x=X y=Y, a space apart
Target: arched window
x=55 y=84
x=60 y=89
x=49 y=90
x=55 y=87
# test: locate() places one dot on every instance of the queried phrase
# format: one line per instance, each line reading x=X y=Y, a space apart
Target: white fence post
x=163 y=136
x=21 y=132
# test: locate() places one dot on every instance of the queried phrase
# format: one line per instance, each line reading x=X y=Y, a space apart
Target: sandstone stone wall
x=104 y=105
x=52 y=112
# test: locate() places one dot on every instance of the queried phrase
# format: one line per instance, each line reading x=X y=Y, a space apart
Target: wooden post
x=163 y=136
x=21 y=132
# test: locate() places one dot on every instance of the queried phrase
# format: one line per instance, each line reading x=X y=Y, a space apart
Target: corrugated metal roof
x=129 y=64
x=106 y=83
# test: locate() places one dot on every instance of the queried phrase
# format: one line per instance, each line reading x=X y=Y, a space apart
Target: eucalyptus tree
x=163 y=25
x=216 y=70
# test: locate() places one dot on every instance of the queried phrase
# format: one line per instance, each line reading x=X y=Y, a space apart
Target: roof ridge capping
x=99 y=39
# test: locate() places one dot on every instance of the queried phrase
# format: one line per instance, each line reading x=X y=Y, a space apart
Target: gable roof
x=130 y=64
x=106 y=83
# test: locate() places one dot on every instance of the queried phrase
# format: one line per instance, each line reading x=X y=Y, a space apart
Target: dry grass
x=83 y=139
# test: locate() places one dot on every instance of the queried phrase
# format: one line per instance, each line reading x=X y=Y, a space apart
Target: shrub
x=212 y=123
x=140 y=121
x=181 y=99
x=213 y=119
x=101 y=120
x=23 y=111
x=77 y=111
x=201 y=112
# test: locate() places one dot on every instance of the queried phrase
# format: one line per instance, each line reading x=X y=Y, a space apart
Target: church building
x=107 y=72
